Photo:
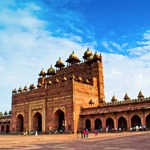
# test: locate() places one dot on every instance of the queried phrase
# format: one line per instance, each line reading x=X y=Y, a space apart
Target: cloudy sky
x=35 y=33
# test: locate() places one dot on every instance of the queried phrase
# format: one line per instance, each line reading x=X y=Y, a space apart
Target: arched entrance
x=88 y=124
x=60 y=121
x=2 y=129
x=135 y=121
x=19 y=124
x=7 y=128
x=148 y=121
x=98 y=124
x=110 y=123
x=122 y=123
x=37 y=122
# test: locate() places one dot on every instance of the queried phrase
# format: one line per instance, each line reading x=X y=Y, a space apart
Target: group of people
x=84 y=133
x=138 y=128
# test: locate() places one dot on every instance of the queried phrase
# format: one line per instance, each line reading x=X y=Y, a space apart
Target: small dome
x=51 y=71
x=39 y=84
x=87 y=81
x=49 y=82
x=15 y=91
x=91 y=102
x=56 y=80
x=20 y=90
x=126 y=97
x=25 y=88
x=96 y=56
x=5 y=113
x=64 y=78
x=42 y=73
x=59 y=63
x=87 y=53
x=140 y=95
x=73 y=57
x=79 y=79
x=114 y=99
x=32 y=86
x=90 y=58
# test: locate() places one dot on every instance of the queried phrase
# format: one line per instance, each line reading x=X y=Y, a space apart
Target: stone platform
x=102 y=141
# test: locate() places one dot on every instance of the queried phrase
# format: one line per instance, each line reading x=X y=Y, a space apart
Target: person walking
x=87 y=133
x=84 y=133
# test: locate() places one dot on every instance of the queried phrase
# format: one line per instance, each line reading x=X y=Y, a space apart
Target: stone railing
x=124 y=102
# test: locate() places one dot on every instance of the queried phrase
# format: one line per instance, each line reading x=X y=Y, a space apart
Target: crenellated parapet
x=50 y=82
x=124 y=102
x=79 y=71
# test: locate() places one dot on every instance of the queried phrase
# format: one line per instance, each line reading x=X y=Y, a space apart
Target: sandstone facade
x=72 y=98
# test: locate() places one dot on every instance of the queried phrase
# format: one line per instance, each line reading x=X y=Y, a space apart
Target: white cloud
x=107 y=46
x=124 y=74
x=146 y=35
x=143 y=45
x=116 y=45
x=112 y=46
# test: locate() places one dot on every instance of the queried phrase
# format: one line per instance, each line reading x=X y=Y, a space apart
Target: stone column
x=143 y=119
x=92 y=123
x=103 y=123
x=115 y=122
x=129 y=122
x=43 y=120
x=30 y=119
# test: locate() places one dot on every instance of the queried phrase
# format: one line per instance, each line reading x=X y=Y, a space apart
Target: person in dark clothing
x=81 y=133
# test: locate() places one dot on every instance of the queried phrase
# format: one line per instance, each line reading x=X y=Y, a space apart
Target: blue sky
x=35 y=33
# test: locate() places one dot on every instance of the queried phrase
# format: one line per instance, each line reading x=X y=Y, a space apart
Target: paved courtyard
x=102 y=141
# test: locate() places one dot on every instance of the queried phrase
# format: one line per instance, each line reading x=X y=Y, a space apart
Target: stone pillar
x=143 y=119
x=128 y=122
x=92 y=123
x=43 y=120
x=4 y=128
x=115 y=122
x=30 y=118
x=103 y=123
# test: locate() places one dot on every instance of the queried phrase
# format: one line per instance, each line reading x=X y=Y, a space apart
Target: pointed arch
x=20 y=123
x=122 y=123
x=37 y=122
x=7 y=128
x=60 y=120
x=135 y=121
x=88 y=124
x=2 y=129
x=110 y=123
x=98 y=124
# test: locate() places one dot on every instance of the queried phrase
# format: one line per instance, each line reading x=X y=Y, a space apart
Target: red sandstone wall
x=83 y=93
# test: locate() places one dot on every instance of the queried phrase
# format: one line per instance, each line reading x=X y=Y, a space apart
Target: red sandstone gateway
x=72 y=98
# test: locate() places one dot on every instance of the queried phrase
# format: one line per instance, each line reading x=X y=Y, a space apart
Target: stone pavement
x=102 y=141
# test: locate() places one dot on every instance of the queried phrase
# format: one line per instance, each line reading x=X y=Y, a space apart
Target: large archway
x=122 y=123
x=135 y=121
x=20 y=123
x=88 y=124
x=60 y=121
x=37 y=122
x=148 y=121
x=2 y=129
x=98 y=124
x=110 y=123
x=7 y=128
